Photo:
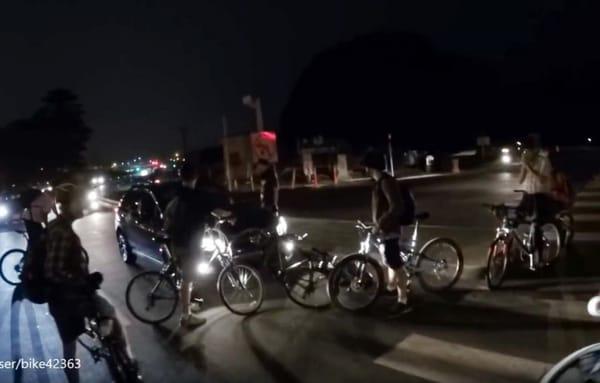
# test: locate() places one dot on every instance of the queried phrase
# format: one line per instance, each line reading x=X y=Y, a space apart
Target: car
x=139 y=221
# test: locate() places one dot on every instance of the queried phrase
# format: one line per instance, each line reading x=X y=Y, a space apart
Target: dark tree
x=55 y=137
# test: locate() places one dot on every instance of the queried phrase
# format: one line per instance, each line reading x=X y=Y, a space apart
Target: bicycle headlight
x=282 y=226
x=4 y=211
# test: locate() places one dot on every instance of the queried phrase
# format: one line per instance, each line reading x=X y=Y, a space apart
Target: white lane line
x=585 y=217
x=587 y=204
x=440 y=361
x=589 y=194
x=587 y=237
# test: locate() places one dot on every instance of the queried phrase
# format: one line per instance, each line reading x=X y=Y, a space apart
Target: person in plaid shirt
x=66 y=273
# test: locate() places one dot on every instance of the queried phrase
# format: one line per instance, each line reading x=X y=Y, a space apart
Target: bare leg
x=69 y=353
x=186 y=298
x=402 y=286
x=392 y=282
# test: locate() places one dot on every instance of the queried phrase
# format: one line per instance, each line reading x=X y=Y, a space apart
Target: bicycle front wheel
x=355 y=283
x=307 y=287
x=241 y=289
x=11 y=265
x=151 y=297
x=440 y=264
x=497 y=264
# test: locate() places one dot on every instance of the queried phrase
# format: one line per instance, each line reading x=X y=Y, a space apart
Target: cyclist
x=66 y=275
x=269 y=185
x=185 y=218
x=391 y=207
x=536 y=178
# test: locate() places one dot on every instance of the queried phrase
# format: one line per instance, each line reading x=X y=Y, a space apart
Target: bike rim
x=241 y=289
x=307 y=286
x=440 y=264
x=357 y=284
x=12 y=265
x=497 y=263
x=152 y=298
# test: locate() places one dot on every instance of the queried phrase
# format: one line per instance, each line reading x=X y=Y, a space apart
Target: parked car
x=139 y=221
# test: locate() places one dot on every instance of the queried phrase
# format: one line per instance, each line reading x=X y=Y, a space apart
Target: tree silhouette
x=55 y=137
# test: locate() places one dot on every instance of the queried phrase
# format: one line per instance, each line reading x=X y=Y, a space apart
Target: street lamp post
x=254 y=103
x=390 y=154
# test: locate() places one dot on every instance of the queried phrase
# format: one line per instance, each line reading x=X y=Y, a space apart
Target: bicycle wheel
x=355 y=283
x=11 y=265
x=151 y=297
x=307 y=286
x=440 y=264
x=497 y=264
x=567 y=226
x=552 y=243
x=241 y=289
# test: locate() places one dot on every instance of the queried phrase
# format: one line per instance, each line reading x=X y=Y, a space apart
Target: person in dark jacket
x=185 y=218
x=269 y=185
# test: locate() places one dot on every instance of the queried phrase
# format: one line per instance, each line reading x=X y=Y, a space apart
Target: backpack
x=27 y=197
x=33 y=282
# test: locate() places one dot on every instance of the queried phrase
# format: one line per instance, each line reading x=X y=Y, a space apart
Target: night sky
x=143 y=69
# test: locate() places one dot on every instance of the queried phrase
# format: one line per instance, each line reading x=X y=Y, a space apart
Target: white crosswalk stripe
x=441 y=361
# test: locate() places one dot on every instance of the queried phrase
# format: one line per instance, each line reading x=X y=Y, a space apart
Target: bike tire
x=291 y=276
x=335 y=276
x=11 y=281
x=495 y=283
x=159 y=277
x=234 y=270
x=459 y=264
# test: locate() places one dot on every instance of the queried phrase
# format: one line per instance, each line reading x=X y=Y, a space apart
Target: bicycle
x=509 y=246
x=302 y=273
x=234 y=281
x=357 y=280
x=11 y=263
x=106 y=346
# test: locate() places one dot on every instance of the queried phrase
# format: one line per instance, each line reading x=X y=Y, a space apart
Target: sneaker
x=191 y=321
x=196 y=307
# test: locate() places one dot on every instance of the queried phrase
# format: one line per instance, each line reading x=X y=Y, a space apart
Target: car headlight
x=100 y=180
x=92 y=196
x=288 y=246
x=94 y=205
x=4 y=211
x=282 y=226
x=203 y=268
x=506 y=159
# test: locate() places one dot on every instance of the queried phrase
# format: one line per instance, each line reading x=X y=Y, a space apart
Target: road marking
x=588 y=194
x=441 y=361
x=585 y=217
x=587 y=237
x=587 y=204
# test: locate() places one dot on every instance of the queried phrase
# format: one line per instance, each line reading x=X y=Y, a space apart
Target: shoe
x=196 y=307
x=399 y=308
x=191 y=321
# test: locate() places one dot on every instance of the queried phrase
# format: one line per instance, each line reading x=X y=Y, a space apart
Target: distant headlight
x=94 y=205
x=282 y=226
x=506 y=159
x=288 y=246
x=505 y=150
x=4 y=212
x=100 y=180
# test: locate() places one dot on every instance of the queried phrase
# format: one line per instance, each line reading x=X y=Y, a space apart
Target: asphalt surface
x=467 y=335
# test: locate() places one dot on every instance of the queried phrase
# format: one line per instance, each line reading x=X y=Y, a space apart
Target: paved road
x=469 y=335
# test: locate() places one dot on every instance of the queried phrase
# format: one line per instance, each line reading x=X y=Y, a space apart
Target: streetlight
x=589 y=140
x=254 y=103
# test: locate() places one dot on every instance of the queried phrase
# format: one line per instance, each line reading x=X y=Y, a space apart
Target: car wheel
x=125 y=249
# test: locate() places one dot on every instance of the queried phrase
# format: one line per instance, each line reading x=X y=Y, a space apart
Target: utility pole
x=390 y=154
x=226 y=154
x=254 y=103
